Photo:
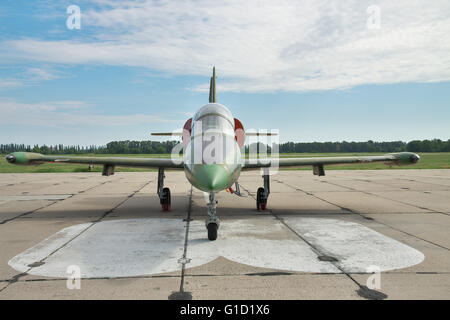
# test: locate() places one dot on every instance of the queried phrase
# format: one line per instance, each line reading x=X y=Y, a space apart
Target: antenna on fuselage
x=212 y=87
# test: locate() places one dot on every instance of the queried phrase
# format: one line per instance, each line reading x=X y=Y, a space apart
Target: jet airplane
x=213 y=158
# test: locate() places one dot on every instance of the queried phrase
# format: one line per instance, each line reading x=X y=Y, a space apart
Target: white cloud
x=39 y=74
x=29 y=77
x=10 y=83
x=260 y=45
x=67 y=113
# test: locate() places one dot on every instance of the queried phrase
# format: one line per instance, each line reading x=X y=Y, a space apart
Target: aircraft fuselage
x=212 y=156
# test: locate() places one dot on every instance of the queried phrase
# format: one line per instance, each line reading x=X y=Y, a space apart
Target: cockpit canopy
x=216 y=109
x=213 y=117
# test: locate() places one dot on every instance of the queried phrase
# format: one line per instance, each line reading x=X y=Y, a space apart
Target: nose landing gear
x=212 y=222
x=263 y=193
x=163 y=193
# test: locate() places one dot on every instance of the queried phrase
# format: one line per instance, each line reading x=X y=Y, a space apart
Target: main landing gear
x=163 y=193
x=212 y=222
x=263 y=193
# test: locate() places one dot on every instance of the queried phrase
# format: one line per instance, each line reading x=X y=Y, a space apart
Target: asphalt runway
x=348 y=235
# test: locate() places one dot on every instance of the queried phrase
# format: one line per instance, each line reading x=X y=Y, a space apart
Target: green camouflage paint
x=25 y=158
x=211 y=178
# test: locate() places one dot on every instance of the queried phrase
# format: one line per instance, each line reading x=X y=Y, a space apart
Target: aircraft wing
x=402 y=158
x=30 y=158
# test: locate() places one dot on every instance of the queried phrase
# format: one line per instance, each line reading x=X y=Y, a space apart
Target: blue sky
x=315 y=70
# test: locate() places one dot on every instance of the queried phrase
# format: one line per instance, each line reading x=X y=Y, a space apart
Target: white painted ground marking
x=116 y=248
x=355 y=246
x=46 y=247
x=260 y=242
x=121 y=248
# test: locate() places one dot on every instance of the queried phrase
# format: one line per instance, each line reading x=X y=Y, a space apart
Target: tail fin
x=212 y=87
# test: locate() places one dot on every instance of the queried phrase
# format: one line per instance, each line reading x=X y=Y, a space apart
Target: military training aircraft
x=213 y=158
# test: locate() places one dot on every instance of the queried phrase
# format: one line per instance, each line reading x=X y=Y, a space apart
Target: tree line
x=156 y=147
x=118 y=147
x=435 y=145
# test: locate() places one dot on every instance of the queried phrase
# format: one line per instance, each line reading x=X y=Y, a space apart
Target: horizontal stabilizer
x=253 y=134
x=179 y=134
x=176 y=134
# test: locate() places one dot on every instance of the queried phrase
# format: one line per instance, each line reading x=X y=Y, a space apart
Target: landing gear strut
x=163 y=193
x=263 y=193
x=212 y=222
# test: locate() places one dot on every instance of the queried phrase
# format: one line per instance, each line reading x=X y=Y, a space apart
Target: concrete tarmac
x=320 y=237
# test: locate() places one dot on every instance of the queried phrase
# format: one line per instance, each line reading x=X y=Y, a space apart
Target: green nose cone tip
x=212 y=177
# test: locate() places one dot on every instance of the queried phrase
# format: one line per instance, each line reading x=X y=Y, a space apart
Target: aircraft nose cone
x=11 y=158
x=415 y=158
x=212 y=178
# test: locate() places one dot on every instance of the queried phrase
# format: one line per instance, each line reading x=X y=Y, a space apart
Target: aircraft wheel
x=261 y=202
x=166 y=200
x=212 y=231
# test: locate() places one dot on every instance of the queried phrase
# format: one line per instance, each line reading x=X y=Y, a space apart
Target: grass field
x=427 y=161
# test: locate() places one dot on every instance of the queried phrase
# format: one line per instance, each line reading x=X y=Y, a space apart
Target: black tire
x=166 y=191
x=212 y=231
x=165 y=196
x=259 y=197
